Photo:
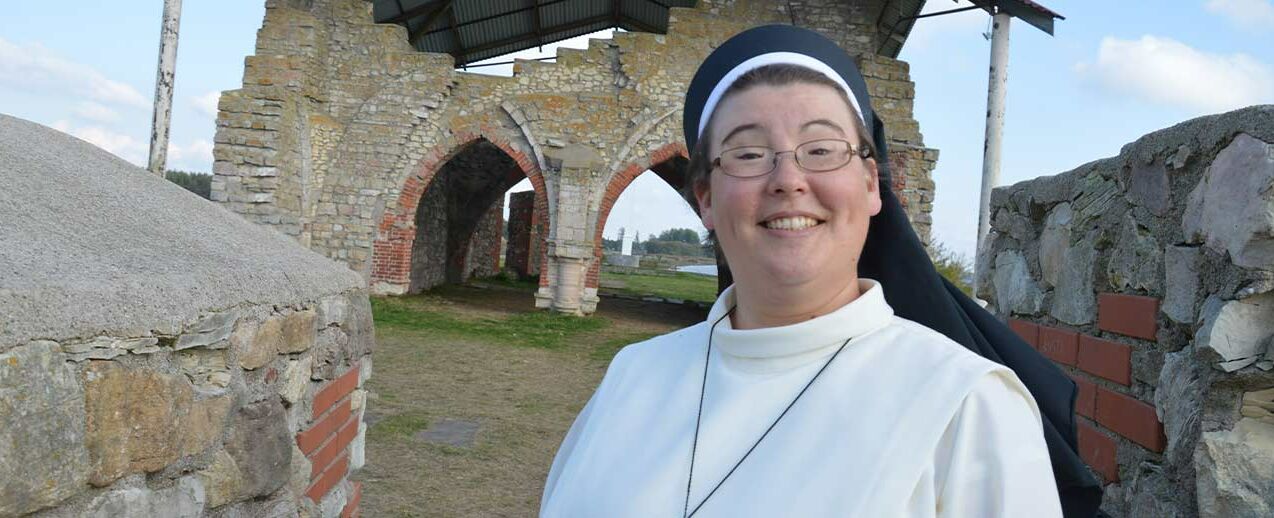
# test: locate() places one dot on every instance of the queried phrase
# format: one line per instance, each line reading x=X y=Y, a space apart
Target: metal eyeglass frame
x=863 y=152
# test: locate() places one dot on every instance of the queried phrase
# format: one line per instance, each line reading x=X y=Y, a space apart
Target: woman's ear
x=872 y=177
x=703 y=195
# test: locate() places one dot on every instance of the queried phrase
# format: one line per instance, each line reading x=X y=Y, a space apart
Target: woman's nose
x=787 y=176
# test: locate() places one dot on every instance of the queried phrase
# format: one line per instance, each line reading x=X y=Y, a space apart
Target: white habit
x=905 y=422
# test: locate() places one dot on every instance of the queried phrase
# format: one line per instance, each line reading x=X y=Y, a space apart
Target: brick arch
x=618 y=183
x=396 y=230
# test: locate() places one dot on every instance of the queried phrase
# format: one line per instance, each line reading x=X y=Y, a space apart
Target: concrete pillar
x=997 y=89
x=570 y=247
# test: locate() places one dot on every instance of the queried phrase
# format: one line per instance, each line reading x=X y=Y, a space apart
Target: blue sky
x=1113 y=71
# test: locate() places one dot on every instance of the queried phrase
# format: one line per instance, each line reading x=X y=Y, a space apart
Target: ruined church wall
x=1148 y=277
x=339 y=124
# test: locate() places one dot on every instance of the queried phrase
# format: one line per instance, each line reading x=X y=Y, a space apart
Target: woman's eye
x=748 y=155
x=820 y=151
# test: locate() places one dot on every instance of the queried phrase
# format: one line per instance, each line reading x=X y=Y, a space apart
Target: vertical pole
x=164 y=78
x=996 y=89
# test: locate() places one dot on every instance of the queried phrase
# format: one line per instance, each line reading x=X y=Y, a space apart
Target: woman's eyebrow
x=823 y=122
x=740 y=129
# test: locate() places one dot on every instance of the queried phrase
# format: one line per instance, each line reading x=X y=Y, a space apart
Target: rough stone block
x=210 y=331
x=1148 y=186
x=296 y=378
x=1015 y=290
x=220 y=480
x=1235 y=471
x=141 y=421
x=184 y=499
x=261 y=447
x=43 y=459
x=1181 y=283
x=1074 y=301
x=1054 y=240
x=1134 y=262
x=1232 y=207
x=1236 y=331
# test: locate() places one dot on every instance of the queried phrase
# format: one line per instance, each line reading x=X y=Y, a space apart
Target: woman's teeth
x=796 y=223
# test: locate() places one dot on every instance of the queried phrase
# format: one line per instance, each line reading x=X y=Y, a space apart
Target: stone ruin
x=1149 y=278
x=159 y=355
x=348 y=139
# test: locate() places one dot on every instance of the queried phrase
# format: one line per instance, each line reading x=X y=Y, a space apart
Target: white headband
x=772 y=58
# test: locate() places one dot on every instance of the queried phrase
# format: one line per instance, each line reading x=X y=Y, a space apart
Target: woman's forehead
x=797 y=107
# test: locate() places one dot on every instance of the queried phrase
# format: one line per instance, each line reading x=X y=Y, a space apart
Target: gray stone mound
x=91 y=244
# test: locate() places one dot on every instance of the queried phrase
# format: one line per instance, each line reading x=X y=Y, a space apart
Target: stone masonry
x=1149 y=278
x=160 y=356
x=341 y=131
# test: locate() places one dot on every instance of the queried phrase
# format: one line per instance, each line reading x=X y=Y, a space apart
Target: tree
x=683 y=235
x=198 y=183
x=955 y=267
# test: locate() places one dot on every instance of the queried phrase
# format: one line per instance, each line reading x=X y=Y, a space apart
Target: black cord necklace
x=687 y=512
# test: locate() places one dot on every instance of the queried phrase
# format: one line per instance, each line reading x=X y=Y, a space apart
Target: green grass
x=541 y=329
x=402 y=425
x=674 y=285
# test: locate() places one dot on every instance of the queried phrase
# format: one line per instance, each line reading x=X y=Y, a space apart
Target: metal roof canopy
x=473 y=30
x=1030 y=12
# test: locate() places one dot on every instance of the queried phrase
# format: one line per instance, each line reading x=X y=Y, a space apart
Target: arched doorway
x=668 y=164
x=448 y=224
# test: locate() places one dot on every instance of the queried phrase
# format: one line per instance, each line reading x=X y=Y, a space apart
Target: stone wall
x=160 y=356
x=520 y=253
x=1149 y=278
x=340 y=127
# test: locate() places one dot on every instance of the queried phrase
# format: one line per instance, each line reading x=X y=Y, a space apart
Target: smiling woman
x=838 y=375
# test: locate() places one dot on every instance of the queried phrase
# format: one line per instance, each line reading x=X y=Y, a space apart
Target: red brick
x=311 y=439
x=1059 y=345
x=1110 y=360
x=1099 y=452
x=1130 y=418
x=351 y=506
x=335 y=446
x=1086 y=401
x=1128 y=315
x=330 y=477
x=335 y=390
x=1028 y=331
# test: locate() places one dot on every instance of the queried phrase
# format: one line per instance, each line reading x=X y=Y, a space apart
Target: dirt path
x=430 y=387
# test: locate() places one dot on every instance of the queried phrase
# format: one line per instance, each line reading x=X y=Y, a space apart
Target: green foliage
x=955 y=267
x=683 y=235
x=612 y=245
x=541 y=329
x=198 y=183
x=659 y=246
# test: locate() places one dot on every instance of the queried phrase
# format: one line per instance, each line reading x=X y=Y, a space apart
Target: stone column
x=570 y=247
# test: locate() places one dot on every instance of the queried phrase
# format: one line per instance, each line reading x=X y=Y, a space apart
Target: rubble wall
x=1149 y=278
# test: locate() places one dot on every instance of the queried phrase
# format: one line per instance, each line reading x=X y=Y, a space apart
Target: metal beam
x=535 y=23
x=459 y=52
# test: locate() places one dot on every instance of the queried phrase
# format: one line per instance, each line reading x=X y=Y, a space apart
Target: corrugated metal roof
x=473 y=30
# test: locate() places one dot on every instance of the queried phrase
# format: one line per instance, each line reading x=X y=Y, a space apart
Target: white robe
x=904 y=422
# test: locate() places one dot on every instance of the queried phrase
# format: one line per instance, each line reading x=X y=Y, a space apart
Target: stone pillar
x=517 y=257
x=570 y=245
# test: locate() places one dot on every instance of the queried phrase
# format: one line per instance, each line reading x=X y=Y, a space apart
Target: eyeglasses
x=815 y=156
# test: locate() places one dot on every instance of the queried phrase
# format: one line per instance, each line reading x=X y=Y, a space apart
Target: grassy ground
x=485 y=356
x=675 y=285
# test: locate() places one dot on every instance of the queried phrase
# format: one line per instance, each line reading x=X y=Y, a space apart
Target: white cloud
x=207 y=103
x=1173 y=73
x=118 y=144
x=934 y=30
x=1251 y=14
x=31 y=66
x=195 y=156
x=95 y=112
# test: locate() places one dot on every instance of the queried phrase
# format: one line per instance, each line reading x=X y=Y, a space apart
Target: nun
x=839 y=374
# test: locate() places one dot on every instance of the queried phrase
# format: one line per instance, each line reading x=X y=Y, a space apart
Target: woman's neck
x=758 y=307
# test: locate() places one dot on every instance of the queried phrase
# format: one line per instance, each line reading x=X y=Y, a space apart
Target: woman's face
x=790 y=227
